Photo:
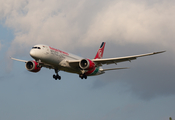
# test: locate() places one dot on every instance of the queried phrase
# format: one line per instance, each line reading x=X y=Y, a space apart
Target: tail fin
x=100 y=51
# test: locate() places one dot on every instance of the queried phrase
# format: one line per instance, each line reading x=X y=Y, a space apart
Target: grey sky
x=145 y=91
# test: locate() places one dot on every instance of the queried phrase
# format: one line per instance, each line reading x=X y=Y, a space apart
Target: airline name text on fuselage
x=55 y=51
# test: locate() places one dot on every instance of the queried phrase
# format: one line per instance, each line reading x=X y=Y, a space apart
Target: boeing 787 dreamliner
x=52 y=58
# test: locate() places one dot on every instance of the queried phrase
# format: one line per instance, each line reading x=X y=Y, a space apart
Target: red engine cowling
x=32 y=66
x=86 y=64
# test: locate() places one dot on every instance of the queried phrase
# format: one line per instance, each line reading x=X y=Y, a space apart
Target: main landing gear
x=56 y=76
x=83 y=76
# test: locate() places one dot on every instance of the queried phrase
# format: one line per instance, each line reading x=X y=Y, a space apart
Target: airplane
x=52 y=58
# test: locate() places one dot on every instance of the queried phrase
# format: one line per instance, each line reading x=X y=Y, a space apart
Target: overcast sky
x=145 y=91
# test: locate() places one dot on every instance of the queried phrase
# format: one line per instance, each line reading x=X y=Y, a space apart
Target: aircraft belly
x=70 y=70
x=50 y=59
x=58 y=61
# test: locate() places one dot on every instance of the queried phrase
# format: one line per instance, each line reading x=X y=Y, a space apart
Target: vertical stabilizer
x=100 y=51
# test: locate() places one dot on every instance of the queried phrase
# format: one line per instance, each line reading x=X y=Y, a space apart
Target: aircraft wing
x=18 y=60
x=100 y=62
x=121 y=59
x=41 y=63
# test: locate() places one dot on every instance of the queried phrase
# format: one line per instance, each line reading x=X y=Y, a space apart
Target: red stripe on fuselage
x=58 y=50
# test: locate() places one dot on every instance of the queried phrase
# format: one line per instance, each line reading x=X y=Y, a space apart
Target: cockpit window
x=36 y=48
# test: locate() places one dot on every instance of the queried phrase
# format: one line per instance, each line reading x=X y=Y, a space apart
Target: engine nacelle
x=32 y=66
x=86 y=64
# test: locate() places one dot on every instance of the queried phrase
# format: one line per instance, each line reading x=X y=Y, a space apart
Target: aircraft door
x=46 y=50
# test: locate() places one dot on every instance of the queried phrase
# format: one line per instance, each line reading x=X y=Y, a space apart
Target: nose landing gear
x=56 y=76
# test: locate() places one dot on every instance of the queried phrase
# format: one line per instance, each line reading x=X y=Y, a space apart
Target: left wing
x=40 y=63
x=100 y=62
x=121 y=59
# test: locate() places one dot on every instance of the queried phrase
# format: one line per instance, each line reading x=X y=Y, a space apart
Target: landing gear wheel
x=59 y=77
x=56 y=76
x=83 y=76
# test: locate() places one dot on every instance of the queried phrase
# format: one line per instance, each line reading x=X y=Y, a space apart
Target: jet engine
x=86 y=64
x=32 y=66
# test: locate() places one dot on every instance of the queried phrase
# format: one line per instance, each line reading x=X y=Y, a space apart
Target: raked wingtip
x=160 y=52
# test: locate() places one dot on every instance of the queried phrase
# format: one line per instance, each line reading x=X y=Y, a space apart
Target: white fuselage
x=49 y=57
x=55 y=57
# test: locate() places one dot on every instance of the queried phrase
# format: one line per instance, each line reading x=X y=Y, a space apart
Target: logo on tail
x=100 y=51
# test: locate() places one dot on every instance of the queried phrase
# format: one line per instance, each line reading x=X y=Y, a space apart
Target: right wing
x=40 y=63
x=19 y=60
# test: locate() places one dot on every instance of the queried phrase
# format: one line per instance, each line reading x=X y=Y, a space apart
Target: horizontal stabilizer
x=114 y=69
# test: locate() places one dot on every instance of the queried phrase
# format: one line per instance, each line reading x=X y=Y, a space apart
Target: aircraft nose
x=32 y=53
x=36 y=53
